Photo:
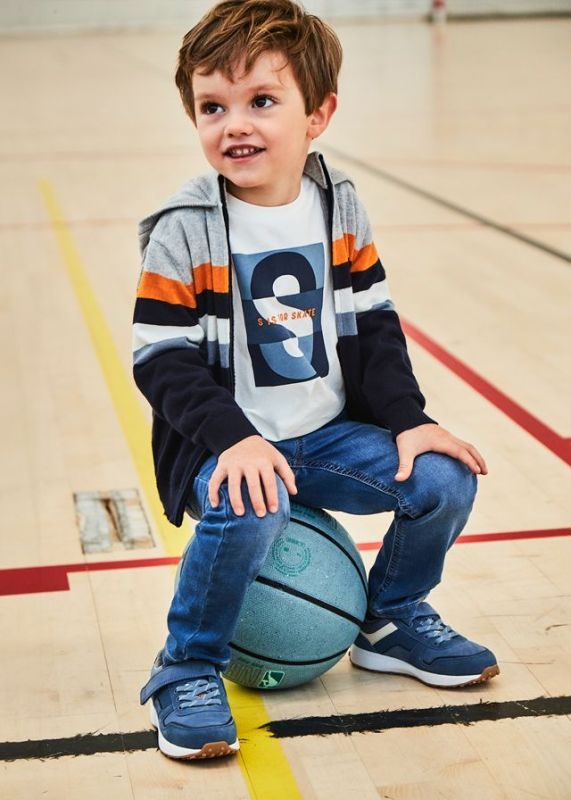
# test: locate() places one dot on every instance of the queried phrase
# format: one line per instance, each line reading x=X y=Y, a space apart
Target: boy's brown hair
x=247 y=28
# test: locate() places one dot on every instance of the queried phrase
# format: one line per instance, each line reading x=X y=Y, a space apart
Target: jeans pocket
x=198 y=498
x=194 y=501
x=191 y=508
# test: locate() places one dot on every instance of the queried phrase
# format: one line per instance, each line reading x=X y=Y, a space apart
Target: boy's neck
x=281 y=193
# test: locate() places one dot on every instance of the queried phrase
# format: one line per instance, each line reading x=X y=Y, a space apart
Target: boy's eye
x=210 y=108
x=263 y=101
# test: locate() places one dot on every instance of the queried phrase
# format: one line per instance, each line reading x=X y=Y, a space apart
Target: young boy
x=267 y=344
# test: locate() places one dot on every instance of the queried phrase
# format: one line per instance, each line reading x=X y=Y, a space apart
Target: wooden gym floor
x=458 y=139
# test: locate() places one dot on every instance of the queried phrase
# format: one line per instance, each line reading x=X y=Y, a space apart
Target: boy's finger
x=466 y=457
x=270 y=488
x=255 y=489
x=286 y=474
x=234 y=481
x=479 y=458
x=461 y=452
x=405 y=469
x=406 y=462
x=214 y=485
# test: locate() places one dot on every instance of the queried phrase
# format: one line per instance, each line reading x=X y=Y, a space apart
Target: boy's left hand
x=432 y=438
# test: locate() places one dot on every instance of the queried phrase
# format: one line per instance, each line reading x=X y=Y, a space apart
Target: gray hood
x=204 y=191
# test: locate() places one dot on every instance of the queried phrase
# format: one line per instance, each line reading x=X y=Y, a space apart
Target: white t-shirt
x=288 y=377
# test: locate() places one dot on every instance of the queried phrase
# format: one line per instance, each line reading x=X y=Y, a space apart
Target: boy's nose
x=238 y=124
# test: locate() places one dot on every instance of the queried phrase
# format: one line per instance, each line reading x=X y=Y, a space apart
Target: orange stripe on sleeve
x=220 y=280
x=364 y=258
x=157 y=287
x=342 y=249
x=207 y=276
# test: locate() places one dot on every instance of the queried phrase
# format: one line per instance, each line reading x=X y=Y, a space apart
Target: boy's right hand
x=256 y=460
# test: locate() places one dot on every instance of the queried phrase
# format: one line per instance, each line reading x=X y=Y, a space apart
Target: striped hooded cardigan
x=182 y=328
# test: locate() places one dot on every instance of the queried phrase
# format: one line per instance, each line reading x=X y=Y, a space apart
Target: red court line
x=471 y=538
x=532 y=425
x=54 y=578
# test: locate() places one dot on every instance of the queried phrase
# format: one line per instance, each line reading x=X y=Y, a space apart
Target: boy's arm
x=168 y=363
x=170 y=370
x=388 y=382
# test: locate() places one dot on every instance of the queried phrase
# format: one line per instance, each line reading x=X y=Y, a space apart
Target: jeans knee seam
x=393 y=557
x=357 y=475
x=298 y=454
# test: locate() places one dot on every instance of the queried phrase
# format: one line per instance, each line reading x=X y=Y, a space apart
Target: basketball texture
x=305 y=608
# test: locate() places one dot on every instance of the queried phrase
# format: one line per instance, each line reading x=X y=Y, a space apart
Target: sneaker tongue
x=425 y=610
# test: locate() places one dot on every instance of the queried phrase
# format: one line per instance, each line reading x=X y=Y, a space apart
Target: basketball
x=305 y=608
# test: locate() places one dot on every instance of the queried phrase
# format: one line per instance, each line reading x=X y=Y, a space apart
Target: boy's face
x=255 y=131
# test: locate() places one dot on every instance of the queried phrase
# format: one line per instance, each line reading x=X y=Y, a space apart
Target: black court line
x=374 y=722
x=378 y=721
x=381 y=173
x=88 y=744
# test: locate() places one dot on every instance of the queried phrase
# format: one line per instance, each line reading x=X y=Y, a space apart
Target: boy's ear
x=319 y=119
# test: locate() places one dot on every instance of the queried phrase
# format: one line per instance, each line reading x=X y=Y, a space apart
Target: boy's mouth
x=243 y=151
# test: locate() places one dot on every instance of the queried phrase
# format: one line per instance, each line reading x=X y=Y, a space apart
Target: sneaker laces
x=200 y=692
x=434 y=628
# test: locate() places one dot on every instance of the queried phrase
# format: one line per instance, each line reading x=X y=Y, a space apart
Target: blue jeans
x=343 y=466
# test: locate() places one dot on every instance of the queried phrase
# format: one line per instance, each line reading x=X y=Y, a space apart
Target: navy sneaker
x=190 y=709
x=424 y=648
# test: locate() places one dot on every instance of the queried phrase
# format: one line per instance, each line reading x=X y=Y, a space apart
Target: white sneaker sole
x=377 y=663
x=208 y=750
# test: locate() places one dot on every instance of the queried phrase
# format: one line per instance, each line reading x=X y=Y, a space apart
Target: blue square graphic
x=282 y=298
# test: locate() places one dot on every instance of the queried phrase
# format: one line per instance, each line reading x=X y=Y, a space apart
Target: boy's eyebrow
x=268 y=87
x=265 y=87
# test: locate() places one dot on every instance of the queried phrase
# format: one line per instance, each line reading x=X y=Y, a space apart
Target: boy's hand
x=252 y=458
x=433 y=438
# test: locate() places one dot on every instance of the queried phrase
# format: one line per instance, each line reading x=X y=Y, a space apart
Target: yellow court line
x=263 y=762
x=120 y=385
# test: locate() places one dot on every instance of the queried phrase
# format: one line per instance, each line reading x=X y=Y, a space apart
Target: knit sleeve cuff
x=218 y=436
x=404 y=414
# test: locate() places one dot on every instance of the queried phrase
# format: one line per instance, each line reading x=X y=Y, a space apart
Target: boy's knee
x=278 y=519
x=445 y=482
x=254 y=536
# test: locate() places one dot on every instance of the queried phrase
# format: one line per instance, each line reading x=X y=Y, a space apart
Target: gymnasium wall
x=21 y=16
